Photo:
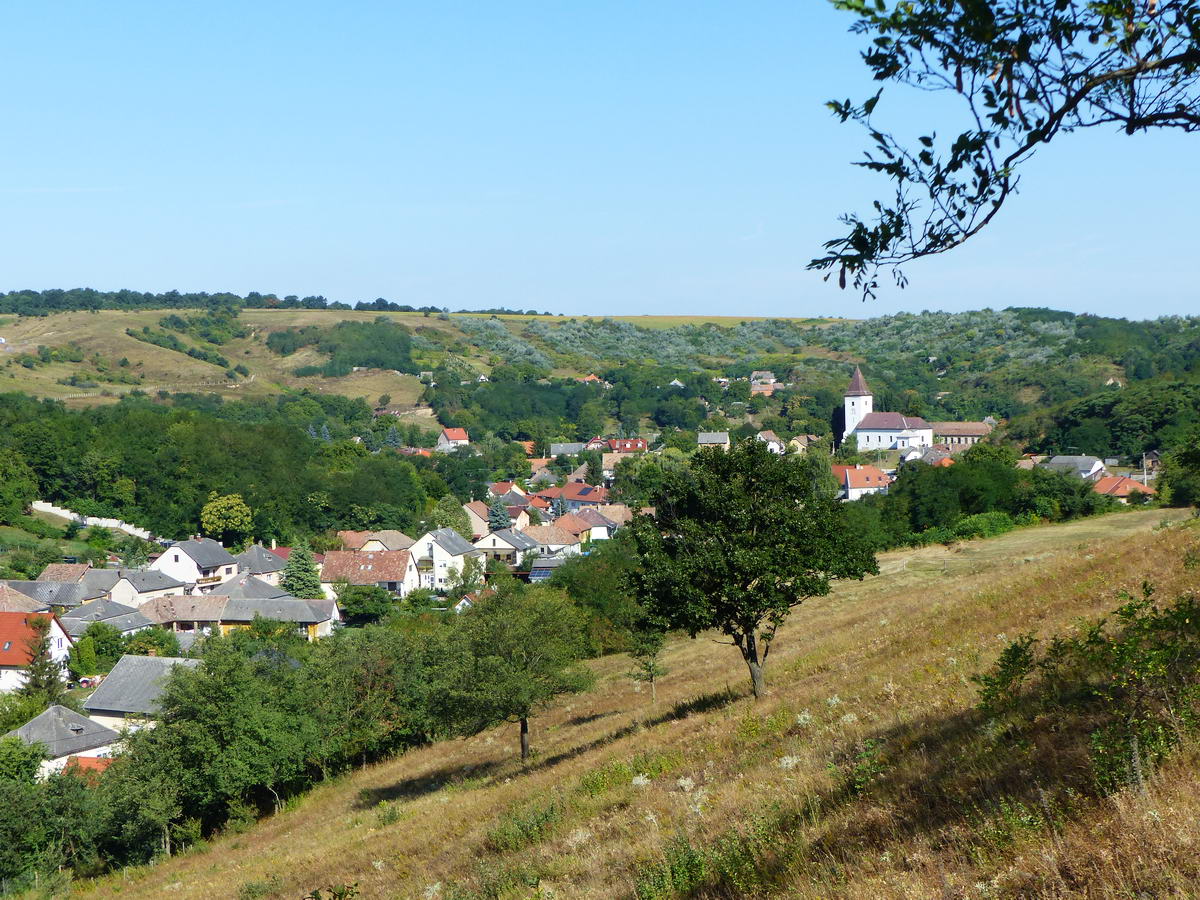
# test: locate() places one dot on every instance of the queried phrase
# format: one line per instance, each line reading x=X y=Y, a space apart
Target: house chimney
x=273 y=544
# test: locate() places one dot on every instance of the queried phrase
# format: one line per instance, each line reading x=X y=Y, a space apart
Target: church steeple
x=859 y=402
x=858 y=385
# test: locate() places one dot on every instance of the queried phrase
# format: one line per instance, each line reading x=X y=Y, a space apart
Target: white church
x=880 y=430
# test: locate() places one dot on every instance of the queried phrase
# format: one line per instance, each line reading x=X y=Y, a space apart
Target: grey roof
x=146 y=580
x=118 y=615
x=63 y=731
x=567 y=449
x=258 y=560
x=516 y=539
x=13 y=600
x=1080 y=465
x=512 y=498
x=284 y=609
x=206 y=552
x=592 y=517
x=547 y=562
x=712 y=437
x=247 y=587
x=134 y=685
x=187 y=639
x=99 y=582
x=50 y=593
x=452 y=542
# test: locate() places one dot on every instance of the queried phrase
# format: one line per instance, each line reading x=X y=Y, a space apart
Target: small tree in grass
x=739 y=539
x=300 y=576
x=508 y=657
x=645 y=648
x=498 y=517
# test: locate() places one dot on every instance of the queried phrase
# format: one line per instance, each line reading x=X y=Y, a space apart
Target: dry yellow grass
x=887 y=658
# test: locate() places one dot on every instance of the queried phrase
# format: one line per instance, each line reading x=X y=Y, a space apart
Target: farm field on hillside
x=881 y=664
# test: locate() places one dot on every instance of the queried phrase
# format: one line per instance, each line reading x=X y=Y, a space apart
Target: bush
x=988 y=524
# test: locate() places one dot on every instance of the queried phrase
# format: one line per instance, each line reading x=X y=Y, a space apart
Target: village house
x=628 y=445
x=477 y=514
x=64 y=733
x=552 y=540
x=773 y=442
x=201 y=562
x=16 y=633
x=544 y=567
x=129 y=694
x=500 y=488
x=17 y=597
x=566 y=449
x=388 y=539
x=440 y=555
x=857 y=481
x=718 y=439
x=130 y=587
x=451 y=439
x=507 y=545
x=1089 y=468
x=879 y=430
x=960 y=435
x=1121 y=487
x=575 y=495
x=261 y=563
x=392 y=570
x=224 y=613
x=601 y=527
x=125 y=619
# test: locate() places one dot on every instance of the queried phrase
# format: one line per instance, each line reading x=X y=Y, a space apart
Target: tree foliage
x=739 y=540
x=300 y=577
x=1027 y=71
x=227 y=519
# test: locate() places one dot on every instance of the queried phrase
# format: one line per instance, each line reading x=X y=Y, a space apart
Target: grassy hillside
x=103 y=334
x=865 y=774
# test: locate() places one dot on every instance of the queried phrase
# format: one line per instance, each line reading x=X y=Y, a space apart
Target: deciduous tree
x=737 y=541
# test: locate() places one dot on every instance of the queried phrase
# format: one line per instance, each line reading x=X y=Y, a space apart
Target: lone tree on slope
x=737 y=540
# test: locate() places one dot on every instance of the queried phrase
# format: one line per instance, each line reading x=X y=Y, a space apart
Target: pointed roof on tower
x=858 y=385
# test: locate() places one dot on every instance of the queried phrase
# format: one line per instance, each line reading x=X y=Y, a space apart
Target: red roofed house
x=500 y=488
x=576 y=494
x=858 y=481
x=392 y=570
x=1122 y=487
x=628 y=445
x=452 y=439
x=16 y=633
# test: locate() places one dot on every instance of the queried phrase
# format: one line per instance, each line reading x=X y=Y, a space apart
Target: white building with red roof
x=880 y=430
x=16 y=636
x=856 y=482
x=452 y=439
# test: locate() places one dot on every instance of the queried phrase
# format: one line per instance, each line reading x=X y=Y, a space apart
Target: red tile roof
x=1120 y=486
x=527 y=446
x=352 y=540
x=573 y=524
x=69 y=572
x=455 y=434
x=15 y=635
x=359 y=567
x=628 y=445
x=857 y=477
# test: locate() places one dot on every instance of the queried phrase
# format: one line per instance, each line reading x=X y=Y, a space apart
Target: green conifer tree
x=498 y=517
x=300 y=577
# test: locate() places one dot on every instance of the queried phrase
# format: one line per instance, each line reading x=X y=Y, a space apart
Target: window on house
x=7 y=645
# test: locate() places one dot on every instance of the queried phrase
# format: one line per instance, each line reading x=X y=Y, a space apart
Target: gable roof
x=572 y=523
x=571 y=448
x=547 y=535
x=479 y=508
x=855 y=477
x=769 y=437
x=258 y=560
x=516 y=539
x=391 y=539
x=353 y=540
x=248 y=587
x=178 y=608
x=15 y=634
x=455 y=434
x=1078 y=465
x=712 y=437
x=364 y=566
x=889 y=421
x=592 y=516
x=118 y=615
x=63 y=731
x=64 y=572
x=144 y=580
x=135 y=684
x=205 y=552
x=48 y=593
x=617 y=513
x=451 y=541
x=1121 y=486
x=283 y=609
x=13 y=600
x=962 y=429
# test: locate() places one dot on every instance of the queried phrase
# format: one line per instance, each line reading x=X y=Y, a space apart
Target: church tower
x=858 y=403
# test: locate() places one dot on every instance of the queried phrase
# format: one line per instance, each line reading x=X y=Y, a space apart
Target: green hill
x=868 y=772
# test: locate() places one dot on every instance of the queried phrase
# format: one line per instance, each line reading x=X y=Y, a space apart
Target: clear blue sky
x=616 y=157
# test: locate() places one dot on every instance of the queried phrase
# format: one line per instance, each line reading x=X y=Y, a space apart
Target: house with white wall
x=201 y=562
x=441 y=554
x=16 y=633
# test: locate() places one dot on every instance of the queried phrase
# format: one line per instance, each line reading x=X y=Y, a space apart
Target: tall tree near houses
x=300 y=577
x=1027 y=72
x=449 y=513
x=738 y=540
x=227 y=519
x=498 y=517
x=43 y=675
